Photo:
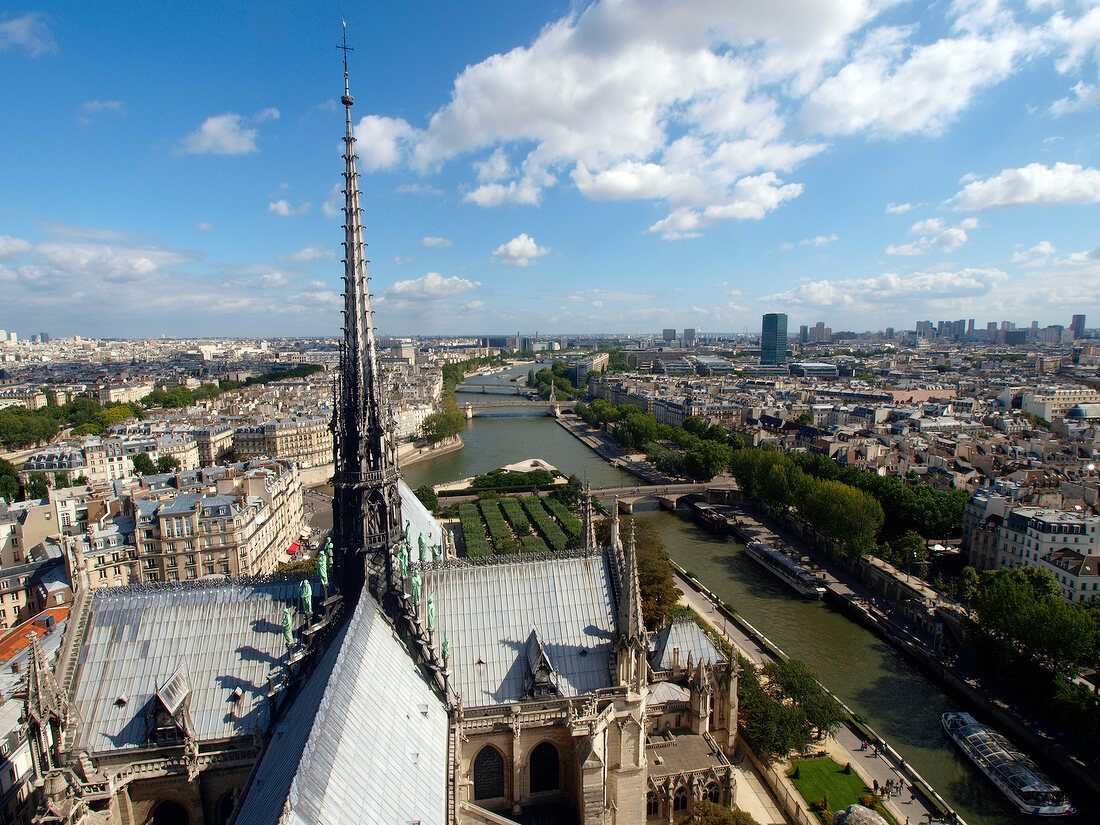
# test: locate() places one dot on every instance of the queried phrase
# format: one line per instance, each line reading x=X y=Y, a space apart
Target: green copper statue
x=322 y=569
x=288 y=635
x=307 y=598
x=431 y=610
x=446 y=646
x=423 y=545
x=416 y=587
x=403 y=560
x=408 y=532
x=437 y=552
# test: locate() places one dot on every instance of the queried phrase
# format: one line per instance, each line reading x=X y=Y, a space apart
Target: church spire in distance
x=366 y=503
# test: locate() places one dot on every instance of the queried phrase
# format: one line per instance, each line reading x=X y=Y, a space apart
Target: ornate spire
x=615 y=542
x=589 y=521
x=366 y=503
x=630 y=603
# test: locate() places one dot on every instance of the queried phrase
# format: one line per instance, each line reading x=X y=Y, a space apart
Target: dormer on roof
x=542 y=679
x=169 y=711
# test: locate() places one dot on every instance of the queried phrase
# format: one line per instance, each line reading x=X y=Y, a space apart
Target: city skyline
x=558 y=167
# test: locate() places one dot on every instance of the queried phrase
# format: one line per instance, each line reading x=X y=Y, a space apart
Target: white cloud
x=221 y=135
x=11 y=248
x=936 y=236
x=397 y=259
x=905 y=293
x=333 y=207
x=382 y=142
x=95 y=107
x=419 y=189
x=493 y=168
x=283 y=208
x=271 y=113
x=753 y=198
x=820 y=240
x=430 y=240
x=899 y=208
x=310 y=253
x=892 y=87
x=431 y=286
x=1037 y=255
x=29 y=31
x=520 y=251
x=1034 y=184
x=204 y=226
x=494 y=194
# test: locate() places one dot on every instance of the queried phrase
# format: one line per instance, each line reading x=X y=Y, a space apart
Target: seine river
x=875 y=681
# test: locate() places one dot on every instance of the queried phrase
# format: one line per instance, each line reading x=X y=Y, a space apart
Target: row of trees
x=555 y=376
x=659 y=593
x=695 y=450
x=783 y=708
x=449 y=421
x=20 y=427
x=1037 y=640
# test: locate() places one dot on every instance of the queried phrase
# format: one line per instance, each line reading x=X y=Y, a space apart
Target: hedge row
x=569 y=522
x=514 y=513
x=533 y=544
x=472 y=531
x=503 y=542
x=544 y=524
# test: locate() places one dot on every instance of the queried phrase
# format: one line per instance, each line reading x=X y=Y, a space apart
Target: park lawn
x=823 y=776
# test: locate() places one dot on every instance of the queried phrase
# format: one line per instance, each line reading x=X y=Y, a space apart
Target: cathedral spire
x=366 y=503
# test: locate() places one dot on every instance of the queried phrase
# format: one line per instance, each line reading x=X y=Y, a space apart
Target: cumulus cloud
x=820 y=240
x=283 y=208
x=222 y=135
x=936 y=236
x=309 y=253
x=11 y=248
x=899 y=208
x=430 y=240
x=397 y=259
x=1037 y=255
x=430 y=287
x=1032 y=185
x=383 y=142
x=95 y=107
x=520 y=251
x=29 y=31
x=903 y=293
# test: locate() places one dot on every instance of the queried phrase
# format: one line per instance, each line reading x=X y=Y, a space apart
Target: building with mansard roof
x=398 y=684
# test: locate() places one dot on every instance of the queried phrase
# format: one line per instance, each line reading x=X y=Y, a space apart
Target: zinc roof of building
x=224 y=635
x=489 y=610
x=676 y=641
x=365 y=742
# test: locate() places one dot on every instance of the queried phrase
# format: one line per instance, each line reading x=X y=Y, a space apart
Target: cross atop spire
x=347 y=99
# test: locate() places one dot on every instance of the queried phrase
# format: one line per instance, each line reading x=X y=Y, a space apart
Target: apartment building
x=211 y=442
x=307 y=441
x=101 y=460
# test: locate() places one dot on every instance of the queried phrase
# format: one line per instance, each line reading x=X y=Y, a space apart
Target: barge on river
x=784 y=567
x=1011 y=771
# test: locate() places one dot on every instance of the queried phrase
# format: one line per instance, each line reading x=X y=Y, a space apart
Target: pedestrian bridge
x=472 y=408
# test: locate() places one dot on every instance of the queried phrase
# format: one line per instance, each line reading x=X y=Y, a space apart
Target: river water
x=870 y=676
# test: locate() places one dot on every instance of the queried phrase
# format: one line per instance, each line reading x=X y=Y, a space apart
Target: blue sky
x=587 y=167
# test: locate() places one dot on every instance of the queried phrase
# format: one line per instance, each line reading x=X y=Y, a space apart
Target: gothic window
x=714 y=793
x=652 y=804
x=170 y=813
x=488 y=774
x=680 y=800
x=544 y=768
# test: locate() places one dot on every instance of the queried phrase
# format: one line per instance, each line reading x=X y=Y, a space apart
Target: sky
x=615 y=166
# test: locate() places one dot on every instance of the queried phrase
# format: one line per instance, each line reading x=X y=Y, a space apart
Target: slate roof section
x=224 y=636
x=421 y=520
x=489 y=610
x=675 y=642
x=377 y=749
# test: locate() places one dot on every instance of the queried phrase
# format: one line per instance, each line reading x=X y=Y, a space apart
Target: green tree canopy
x=167 y=464
x=38 y=486
x=143 y=465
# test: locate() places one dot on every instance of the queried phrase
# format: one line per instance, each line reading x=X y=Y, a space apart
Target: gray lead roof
x=488 y=612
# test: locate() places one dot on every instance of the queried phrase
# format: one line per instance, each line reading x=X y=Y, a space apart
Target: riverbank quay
x=880 y=762
x=605 y=447
x=920 y=623
x=411 y=454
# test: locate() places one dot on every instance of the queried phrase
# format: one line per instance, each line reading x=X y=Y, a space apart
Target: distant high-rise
x=803 y=334
x=889 y=333
x=44 y=337
x=773 y=339
x=689 y=337
x=1077 y=326
x=669 y=335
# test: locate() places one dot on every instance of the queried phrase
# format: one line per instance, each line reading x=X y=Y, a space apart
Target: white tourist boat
x=784 y=567
x=1012 y=771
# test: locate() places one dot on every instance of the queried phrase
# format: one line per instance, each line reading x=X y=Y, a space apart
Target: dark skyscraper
x=366 y=503
x=1078 y=326
x=773 y=339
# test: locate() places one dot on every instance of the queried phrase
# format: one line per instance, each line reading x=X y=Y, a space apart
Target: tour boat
x=711 y=519
x=1012 y=771
x=784 y=567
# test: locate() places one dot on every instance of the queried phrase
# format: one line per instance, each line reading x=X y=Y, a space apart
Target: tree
x=167 y=464
x=38 y=486
x=143 y=465
x=911 y=549
x=964 y=587
x=9 y=481
x=706 y=812
x=427 y=497
x=706 y=459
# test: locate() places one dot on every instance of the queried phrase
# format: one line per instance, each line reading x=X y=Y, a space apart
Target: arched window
x=714 y=793
x=680 y=800
x=652 y=804
x=544 y=768
x=488 y=774
x=170 y=813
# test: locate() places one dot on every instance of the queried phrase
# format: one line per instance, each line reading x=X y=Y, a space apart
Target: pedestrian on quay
x=876 y=787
